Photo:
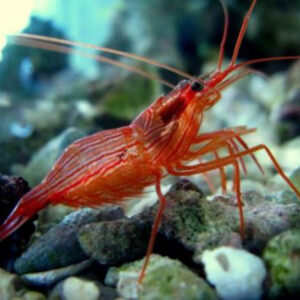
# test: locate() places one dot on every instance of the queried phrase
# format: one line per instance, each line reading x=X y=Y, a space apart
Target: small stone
x=81 y=288
x=282 y=257
x=128 y=285
x=11 y=288
x=236 y=274
x=9 y=285
x=77 y=289
x=165 y=279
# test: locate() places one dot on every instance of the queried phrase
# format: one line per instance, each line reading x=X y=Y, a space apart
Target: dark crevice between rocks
x=175 y=250
x=11 y=190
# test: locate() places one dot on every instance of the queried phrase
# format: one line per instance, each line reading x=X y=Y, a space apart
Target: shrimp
x=114 y=165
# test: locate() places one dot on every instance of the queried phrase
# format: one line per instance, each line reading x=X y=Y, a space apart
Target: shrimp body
x=165 y=139
x=106 y=167
x=114 y=165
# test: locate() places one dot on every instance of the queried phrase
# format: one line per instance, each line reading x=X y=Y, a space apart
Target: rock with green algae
x=59 y=246
x=235 y=273
x=115 y=242
x=165 y=279
x=263 y=220
x=282 y=257
x=43 y=160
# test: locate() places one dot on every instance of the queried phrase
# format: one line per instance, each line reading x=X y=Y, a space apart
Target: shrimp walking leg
x=209 y=182
x=236 y=182
x=237 y=187
x=274 y=161
x=222 y=174
x=204 y=167
x=215 y=140
x=232 y=159
x=159 y=213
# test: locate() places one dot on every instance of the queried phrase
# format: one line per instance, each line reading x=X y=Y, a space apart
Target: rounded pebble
x=77 y=289
x=236 y=274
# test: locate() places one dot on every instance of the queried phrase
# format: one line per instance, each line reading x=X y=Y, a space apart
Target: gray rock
x=267 y=219
x=59 y=246
x=48 y=278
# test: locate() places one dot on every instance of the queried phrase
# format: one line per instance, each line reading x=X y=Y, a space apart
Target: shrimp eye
x=197 y=86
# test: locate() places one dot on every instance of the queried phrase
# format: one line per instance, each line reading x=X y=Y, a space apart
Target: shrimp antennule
x=224 y=37
x=242 y=33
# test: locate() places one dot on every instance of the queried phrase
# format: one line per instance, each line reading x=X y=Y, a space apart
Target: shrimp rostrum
x=165 y=139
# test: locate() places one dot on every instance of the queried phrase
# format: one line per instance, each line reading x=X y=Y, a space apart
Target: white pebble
x=77 y=289
x=236 y=274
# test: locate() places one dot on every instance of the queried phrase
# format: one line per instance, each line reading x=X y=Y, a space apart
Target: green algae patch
x=282 y=256
x=165 y=279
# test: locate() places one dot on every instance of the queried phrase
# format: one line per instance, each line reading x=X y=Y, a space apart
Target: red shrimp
x=112 y=166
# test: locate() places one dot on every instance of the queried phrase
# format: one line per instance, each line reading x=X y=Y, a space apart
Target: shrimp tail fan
x=28 y=205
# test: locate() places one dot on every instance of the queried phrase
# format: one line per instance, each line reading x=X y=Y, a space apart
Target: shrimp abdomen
x=29 y=205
